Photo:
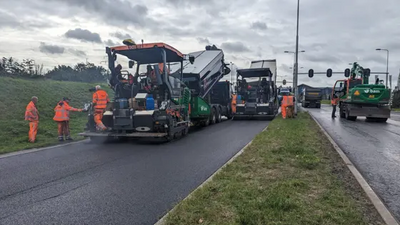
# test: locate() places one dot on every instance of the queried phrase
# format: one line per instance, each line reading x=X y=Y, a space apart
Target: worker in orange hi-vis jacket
x=62 y=118
x=100 y=100
x=233 y=103
x=334 y=103
x=32 y=115
x=287 y=104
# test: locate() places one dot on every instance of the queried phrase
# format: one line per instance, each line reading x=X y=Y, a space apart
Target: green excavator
x=359 y=98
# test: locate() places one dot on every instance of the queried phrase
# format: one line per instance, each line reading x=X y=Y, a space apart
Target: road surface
x=374 y=148
x=119 y=183
x=395 y=116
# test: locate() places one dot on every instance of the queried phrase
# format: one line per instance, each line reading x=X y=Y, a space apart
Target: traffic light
x=329 y=72
x=284 y=82
x=367 y=72
x=310 y=73
x=347 y=72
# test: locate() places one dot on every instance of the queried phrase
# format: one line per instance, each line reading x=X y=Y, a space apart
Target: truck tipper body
x=311 y=97
x=210 y=98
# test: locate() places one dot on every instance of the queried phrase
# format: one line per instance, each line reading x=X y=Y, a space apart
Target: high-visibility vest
x=31 y=113
x=334 y=101
x=287 y=100
x=100 y=98
x=61 y=113
x=233 y=103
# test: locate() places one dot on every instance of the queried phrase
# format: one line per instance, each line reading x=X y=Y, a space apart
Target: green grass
x=290 y=174
x=326 y=102
x=396 y=109
x=15 y=94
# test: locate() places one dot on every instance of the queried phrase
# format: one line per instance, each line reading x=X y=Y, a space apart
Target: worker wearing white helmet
x=100 y=100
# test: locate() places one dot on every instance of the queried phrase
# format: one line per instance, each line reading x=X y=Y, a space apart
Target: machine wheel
x=185 y=131
x=219 y=115
x=342 y=113
x=170 y=137
x=229 y=116
x=213 y=116
x=352 y=118
x=205 y=123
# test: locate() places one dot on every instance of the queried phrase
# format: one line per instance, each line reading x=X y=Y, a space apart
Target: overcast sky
x=333 y=33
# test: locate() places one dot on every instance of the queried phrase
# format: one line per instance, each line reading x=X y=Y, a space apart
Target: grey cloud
x=83 y=35
x=286 y=68
x=322 y=58
x=7 y=20
x=51 y=49
x=234 y=47
x=375 y=58
x=58 y=50
x=10 y=20
x=77 y=52
x=259 y=25
x=120 y=35
x=203 y=40
x=114 y=12
x=110 y=42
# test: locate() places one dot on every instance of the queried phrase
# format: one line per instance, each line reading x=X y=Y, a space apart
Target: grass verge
x=328 y=102
x=290 y=174
x=15 y=94
x=396 y=109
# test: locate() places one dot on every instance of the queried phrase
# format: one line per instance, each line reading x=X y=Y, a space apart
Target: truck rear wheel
x=219 y=115
x=213 y=116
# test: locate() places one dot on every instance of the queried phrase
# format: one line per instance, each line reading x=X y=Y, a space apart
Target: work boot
x=60 y=138
x=68 y=138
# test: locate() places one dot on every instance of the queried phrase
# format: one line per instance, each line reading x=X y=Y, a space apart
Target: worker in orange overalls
x=287 y=104
x=100 y=100
x=62 y=118
x=334 y=103
x=32 y=115
x=233 y=103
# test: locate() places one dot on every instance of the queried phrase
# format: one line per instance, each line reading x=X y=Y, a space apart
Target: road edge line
x=376 y=201
x=26 y=151
x=162 y=220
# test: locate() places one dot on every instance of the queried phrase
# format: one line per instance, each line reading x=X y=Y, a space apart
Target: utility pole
x=387 y=63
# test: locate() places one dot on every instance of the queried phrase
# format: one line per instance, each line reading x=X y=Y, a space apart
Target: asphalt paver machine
x=257 y=91
x=150 y=103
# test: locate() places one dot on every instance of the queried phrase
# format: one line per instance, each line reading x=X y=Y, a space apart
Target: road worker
x=32 y=115
x=100 y=100
x=233 y=103
x=334 y=103
x=287 y=106
x=62 y=118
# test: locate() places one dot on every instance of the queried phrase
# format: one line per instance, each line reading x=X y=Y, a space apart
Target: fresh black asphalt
x=116 y=183
x=374 y=148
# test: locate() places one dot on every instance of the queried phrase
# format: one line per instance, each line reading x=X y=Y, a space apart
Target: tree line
x=28 y=69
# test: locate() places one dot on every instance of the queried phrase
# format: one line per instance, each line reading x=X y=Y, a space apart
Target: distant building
x=326 y=91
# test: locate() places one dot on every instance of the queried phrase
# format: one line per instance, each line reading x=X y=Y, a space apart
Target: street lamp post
x=387 y=63
x=296 y=61
x=295 y=68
